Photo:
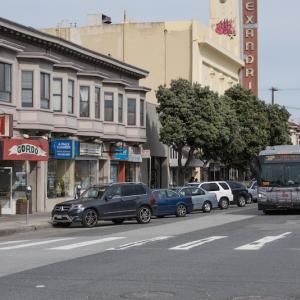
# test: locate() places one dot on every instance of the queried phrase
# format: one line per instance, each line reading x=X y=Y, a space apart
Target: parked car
x=252 y=190
x=202 y=200
x=171 y=203
x=115 y=202
x=240 y=193
x=220 y=188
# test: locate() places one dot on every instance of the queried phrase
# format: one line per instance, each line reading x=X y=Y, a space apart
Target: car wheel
x=181 y=211
x=89 y=218
x=206 y=207
x=241 y=201
x=250 y=199
x=143 y=215
x=224 y=203
x=118 y=221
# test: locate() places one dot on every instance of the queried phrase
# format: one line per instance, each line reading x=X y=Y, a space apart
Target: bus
x=277 y=169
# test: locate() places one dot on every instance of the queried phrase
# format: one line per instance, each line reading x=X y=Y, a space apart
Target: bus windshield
x=285 y=174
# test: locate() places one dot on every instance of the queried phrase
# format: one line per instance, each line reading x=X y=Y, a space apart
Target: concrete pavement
x=11 y=224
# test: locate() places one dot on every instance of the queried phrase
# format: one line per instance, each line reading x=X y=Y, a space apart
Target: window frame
x=27 y=89
x=88 y=101
x=9 y=92
x=142 y=112
x=43 y=96
x=97 y=103
x=129 y=112
x=71 y=97
x=105 y=107
x=58 y=95
x=120 y=108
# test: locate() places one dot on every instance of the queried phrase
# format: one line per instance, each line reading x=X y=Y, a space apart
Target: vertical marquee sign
x=250 y=74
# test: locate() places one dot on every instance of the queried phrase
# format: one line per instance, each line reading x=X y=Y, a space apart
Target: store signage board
x=135 y=158
x=25 y=149
x=88 y=149
x=146 y=153
x=64 y=149
x=119 y=153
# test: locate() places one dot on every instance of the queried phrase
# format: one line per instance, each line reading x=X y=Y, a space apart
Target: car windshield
x=93 y=192
x=280 y=174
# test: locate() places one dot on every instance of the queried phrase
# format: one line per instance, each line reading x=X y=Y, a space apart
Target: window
x=197 y=191
x=131 y=112
x=57 y=94
x=84 y=101
x=210 y=187
x=142 y=112
x=224 y=185
x=45 y=90
x=140 y=190
x=109 y=107
x=128 y=190
x=5 y=82
x=160 y=194
x=27 y=89
x=186 y=192
x=113 y=191
x=97 y=102
x=171 y=194
x=120 y=108
x=70 y=96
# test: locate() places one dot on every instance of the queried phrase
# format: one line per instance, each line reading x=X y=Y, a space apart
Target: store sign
x=64 y=149
x=23 y=149
x=119 y=153
x=6 y=126
x=88 y=149
x=250 y=72
x=134 y=154
x=146 y=153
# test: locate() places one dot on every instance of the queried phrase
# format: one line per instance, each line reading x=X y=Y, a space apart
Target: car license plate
x=58 y=217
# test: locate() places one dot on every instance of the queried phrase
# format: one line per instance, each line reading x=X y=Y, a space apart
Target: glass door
x=6 y=189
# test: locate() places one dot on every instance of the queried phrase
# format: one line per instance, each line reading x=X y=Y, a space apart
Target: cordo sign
x=250 y=75
x=21 y=149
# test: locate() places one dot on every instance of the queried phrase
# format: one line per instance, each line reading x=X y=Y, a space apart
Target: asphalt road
x=235 y=254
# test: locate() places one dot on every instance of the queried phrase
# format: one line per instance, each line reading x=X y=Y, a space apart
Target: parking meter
x=28 y=192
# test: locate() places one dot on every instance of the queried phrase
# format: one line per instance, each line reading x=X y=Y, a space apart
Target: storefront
x=133 y=166
x=61 y=164
x=87 y=165
x=118 y=156
x=22 y=162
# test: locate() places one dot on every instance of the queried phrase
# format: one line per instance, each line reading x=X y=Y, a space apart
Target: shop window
x=27 y=89
x=45 y=90
x=70 y=96
x=108 y=107
x=85 y=173
x=130 y=172
x=59 y=179
x=131 y=112
x=84 y=101
x=120 y=108
x=142 y=112
x=5 y=82
x=97 y=102
x=57 y=94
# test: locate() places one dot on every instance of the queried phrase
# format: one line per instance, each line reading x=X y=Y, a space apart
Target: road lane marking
x=13 y=242
x=256 y=245
x=140 y=243
x=87 y=243
x=34 y=244
x=193 y=244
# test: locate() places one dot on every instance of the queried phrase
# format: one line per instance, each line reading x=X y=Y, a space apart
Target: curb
x=26 y=228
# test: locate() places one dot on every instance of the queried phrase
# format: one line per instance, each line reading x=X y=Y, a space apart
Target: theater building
x=67 y=114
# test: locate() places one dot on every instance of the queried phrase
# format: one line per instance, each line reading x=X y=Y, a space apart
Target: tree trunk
x=181 y=174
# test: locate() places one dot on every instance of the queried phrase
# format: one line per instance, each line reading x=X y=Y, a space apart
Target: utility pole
x=273 y=90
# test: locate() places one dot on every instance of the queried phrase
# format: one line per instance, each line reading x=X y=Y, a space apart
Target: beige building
x=209 y=55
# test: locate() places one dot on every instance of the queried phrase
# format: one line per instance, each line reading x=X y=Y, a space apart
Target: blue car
x=202 y=200
x=171 y=203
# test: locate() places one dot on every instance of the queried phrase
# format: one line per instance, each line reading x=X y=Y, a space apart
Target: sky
x=278 y=31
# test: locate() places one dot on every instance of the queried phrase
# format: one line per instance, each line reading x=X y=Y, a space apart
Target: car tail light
x=152 y=200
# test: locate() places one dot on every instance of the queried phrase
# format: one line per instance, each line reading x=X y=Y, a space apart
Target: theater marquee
x=250 y=74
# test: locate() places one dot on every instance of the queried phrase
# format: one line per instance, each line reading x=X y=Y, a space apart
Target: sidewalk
x=10 y=224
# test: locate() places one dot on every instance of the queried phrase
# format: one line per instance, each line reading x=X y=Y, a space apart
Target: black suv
x=240 y=193
x=115 y=202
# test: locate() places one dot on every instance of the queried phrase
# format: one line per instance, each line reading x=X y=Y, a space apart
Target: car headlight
x=77 y=206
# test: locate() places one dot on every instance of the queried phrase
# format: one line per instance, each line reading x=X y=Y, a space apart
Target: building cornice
x=39 y=55
x=11 y=46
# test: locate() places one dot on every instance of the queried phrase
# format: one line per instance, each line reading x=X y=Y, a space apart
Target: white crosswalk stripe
x=256 y=245
x=140 y=243
x=34 y=244
x=13 y=242
x=87 y=243
x=197 y=243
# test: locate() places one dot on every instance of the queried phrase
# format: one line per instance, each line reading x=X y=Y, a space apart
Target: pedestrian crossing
x=71 y=244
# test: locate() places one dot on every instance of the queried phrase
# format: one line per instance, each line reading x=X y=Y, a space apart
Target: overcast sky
x=279 y=27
